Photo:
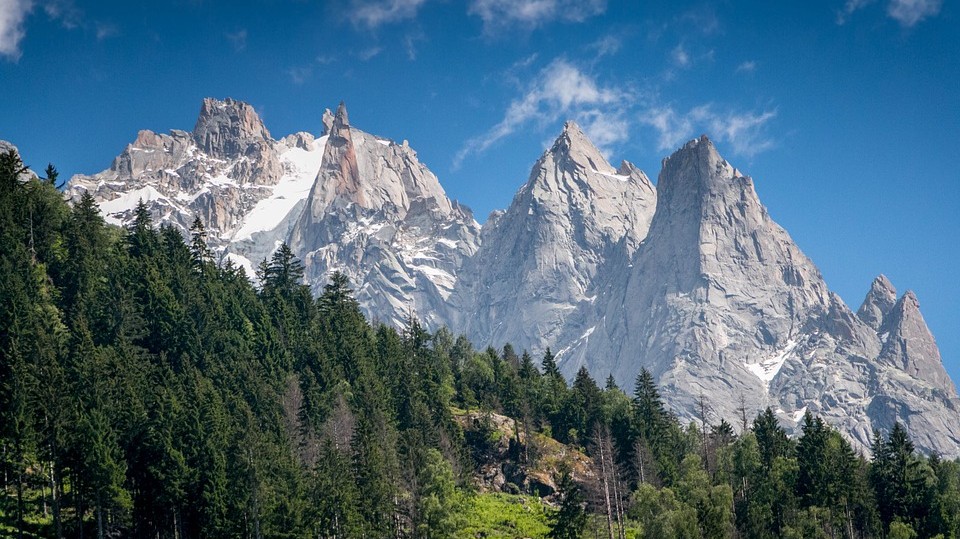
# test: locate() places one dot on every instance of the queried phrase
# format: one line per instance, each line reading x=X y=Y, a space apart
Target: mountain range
x=689 y=278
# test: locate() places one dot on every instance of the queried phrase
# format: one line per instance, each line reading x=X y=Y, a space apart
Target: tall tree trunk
x=618 y=500
x=99 y=517
x=55 y=499
x=602 y=441
x=43 y=492
x=19 y=503
x=79 y=505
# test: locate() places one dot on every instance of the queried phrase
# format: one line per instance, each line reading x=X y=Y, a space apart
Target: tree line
x=147 y=390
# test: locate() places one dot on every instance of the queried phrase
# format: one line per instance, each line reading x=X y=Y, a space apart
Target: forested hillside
x=147 y=391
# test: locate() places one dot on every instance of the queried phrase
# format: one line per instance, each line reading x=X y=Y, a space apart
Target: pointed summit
x=539 y=258
x=909 y=345
x=339 y=176
x=340 y=120
x=327 y=122
x=225 y=128
x=573 y=149
x=880 y=300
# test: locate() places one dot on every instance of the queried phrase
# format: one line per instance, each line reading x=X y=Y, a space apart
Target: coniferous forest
x=148 y=391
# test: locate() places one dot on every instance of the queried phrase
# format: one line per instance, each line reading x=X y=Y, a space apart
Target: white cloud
x=369 y=53
x=500 y=14
x=238 y=39
x=604 y=128
x=13 y=13
x=299 y=75
x=561 y=90
x=909 y=12
x=105 y=30
x=375 y=13
x=680 y=56
x=65 y=11
x=906 y=12
x=745 y=132
x=607 y=45
x=849 y=8
x=410 y=41
x=747 y=67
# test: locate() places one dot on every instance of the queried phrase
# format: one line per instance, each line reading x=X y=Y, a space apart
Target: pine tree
x=570 y=518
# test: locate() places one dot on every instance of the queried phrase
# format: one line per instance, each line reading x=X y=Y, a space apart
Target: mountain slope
x=692 y=279
x=380 y=216
x=345 y=201
x=539 y=260
x=721 y=303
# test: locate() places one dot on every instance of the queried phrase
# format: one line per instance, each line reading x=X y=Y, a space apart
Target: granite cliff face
x=345 y=201
x=380 y=216
x=540 y=259
x=720 y=302
x=691 y=279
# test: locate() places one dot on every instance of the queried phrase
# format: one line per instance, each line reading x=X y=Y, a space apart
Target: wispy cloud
x=747 y=67
x=744 y=131
x=238 y=39
x=13 y=14
x=65 y=11
x=607 y=45
x=561 y=90
x=498 y=15
x=299 y=74
x=410 y=41
x=906 y=12
x=680 y=56
x=849 y=8
x=369 y=53
x=909 y=12
x=604 y=128
x=375 y=13
x=105 y=30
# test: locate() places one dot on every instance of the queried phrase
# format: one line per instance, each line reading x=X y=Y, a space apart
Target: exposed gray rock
x=909 y=346
x=718 y=301
x=347 y=201
x=540 y=260
x=380 y=216
x=879 y=301
x=220 y=172
x=5 y=147
x=692 y=279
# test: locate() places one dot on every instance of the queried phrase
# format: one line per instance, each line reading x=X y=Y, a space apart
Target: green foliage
x=148 y=391
x=504 y=516
x=570 y=518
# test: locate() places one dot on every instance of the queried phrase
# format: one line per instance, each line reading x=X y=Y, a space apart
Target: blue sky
x=845 y=112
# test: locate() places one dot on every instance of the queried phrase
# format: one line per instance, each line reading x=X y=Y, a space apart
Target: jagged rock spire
x=539 y=258
x=339 y=171
x=327 y=122
x=909 y=345
x=879 y=301
x=225 y=128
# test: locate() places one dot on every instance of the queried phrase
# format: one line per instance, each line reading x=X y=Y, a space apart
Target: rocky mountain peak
x=573 y=149
x=339 y=176
x=327 y=122
x=879 y=301
x=340 y=120
x=225 y=129
x=909 y=345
